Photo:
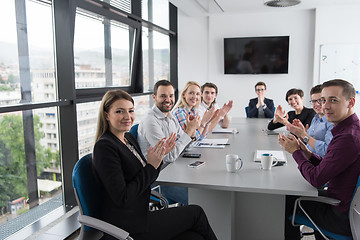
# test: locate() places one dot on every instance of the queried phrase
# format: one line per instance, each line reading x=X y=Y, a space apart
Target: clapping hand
x=289 y=144
x=208 y=115
x=192 y=123
x=155 y=154
x=226 y=108
x=170 y=143
x=297 y=128
x=280 y=116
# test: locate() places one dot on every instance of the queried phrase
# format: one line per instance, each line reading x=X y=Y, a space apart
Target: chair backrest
x=134 y=130
x=247 y=111
x=87 y=188
x=354 y=212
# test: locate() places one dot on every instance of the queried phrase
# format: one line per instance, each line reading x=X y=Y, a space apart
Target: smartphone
x=196 y=164
x=192 y=155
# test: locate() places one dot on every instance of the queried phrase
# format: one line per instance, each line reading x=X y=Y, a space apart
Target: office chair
x=247 y=111
x=354 y=215
x=88 y=194
x=134 y=130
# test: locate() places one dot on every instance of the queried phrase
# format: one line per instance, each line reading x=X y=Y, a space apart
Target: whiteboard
x=340 y=61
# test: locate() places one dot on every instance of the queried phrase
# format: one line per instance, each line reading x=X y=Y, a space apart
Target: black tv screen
x=256 y=55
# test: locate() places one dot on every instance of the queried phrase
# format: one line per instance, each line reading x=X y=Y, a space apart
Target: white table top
x=284 y=180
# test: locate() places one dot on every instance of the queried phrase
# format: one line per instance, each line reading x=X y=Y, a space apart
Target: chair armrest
x=322 y=199
x=327 y=200
x=162 y=199
x=104 y=227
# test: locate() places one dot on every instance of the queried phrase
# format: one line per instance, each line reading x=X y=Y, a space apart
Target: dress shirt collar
x=159 y=114
x=204 y=105
x=344 y=123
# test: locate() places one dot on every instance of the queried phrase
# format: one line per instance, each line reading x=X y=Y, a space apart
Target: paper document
x=212 y=143
x=224 y=130
x=278 y=154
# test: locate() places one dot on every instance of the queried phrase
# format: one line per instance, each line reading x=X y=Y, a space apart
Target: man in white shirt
x=209 y=93
x=159 y=123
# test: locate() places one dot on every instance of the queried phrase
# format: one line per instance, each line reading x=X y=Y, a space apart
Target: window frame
x=64 y=12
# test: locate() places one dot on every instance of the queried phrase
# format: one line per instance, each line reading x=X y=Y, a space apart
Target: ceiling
x=208 y=7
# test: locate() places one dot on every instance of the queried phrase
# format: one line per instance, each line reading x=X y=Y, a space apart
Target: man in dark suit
x=260 y=107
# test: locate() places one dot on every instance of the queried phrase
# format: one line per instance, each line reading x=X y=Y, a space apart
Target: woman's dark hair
x=294 y=91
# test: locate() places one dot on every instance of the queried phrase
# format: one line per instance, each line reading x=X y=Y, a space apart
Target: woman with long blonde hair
x=187 y=105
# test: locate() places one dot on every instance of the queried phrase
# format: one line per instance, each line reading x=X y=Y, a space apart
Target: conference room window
x=102 y=56
x=50 y=92
x=156 y=57
x=30 y=179
x=156 y=12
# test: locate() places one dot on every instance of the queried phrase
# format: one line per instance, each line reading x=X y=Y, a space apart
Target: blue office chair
x=134 y=130
x=247 y=111
x=354 y=215
x=88 y=196
x=88 y=192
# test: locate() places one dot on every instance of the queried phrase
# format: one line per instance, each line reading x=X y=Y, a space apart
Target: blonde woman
x=186 y=107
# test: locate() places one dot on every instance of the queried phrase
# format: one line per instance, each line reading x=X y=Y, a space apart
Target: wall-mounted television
x=256 y=55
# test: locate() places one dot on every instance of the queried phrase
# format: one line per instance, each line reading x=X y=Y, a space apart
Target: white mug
x=233 y=163
x=268 y=161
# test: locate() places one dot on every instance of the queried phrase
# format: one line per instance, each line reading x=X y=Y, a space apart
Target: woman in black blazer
x=295 y=99
x=126 y=177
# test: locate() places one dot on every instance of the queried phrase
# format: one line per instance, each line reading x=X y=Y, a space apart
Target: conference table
x=248 y=204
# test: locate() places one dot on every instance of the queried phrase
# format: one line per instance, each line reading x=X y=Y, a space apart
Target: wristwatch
x=263 y=106
x=306 y=139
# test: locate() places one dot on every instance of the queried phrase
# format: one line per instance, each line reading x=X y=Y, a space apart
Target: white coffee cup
x=233 y=163
x=268 y=161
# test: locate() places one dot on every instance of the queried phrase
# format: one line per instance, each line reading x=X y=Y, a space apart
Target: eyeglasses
x=260 y=90
x=319 y=101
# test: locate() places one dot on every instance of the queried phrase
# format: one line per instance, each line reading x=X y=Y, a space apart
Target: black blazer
x=125 y=181
x=268 y=112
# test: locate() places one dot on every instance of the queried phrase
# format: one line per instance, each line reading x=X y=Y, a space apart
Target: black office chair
x=354 y=215
x=88 y=192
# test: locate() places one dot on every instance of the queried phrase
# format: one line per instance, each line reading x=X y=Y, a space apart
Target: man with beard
x=159 y=123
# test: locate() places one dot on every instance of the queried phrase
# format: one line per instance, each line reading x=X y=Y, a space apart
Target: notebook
x=280 y=155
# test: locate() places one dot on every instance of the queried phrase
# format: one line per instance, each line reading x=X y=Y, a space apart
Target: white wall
x=197 y=47
x=337 y=25
x=201 y=49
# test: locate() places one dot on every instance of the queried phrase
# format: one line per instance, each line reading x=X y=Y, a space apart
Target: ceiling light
x=281 y=3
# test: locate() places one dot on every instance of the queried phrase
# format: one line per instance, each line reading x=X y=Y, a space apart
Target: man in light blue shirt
x=318 y=136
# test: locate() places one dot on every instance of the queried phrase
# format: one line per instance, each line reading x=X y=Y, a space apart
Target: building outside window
x=32 y=119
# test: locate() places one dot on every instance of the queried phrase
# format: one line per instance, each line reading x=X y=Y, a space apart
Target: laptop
x=280 y=155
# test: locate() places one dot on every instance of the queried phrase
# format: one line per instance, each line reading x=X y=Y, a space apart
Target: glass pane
x=156 y=11
x=30 y=177
x=156 y=57
x=87 y=114
x=142 y=106
x=102 y=55
x=120 y=52
x=33 y=73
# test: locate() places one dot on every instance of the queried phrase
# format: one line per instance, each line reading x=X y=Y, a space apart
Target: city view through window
x=30 y=163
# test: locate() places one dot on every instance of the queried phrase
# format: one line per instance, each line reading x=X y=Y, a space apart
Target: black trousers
x=323 y=215
x=178 y=223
